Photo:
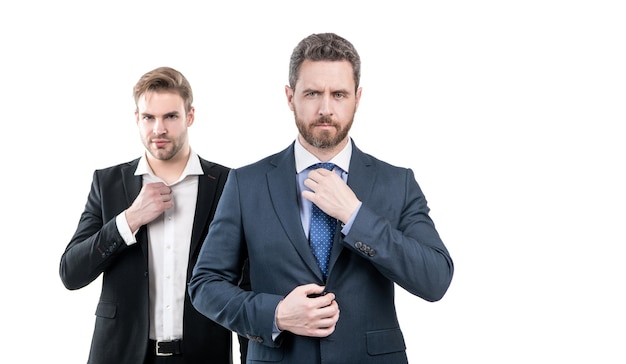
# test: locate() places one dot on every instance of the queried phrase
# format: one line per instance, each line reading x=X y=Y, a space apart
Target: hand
x=153 y=199
x=305 y=316
x=331 y=194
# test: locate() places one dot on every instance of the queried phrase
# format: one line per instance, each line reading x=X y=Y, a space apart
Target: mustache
x=324 y=120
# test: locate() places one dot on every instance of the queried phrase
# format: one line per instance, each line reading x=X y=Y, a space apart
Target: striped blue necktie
x=322 y=230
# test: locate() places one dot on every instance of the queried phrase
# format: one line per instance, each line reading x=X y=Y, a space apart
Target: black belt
x=166 y=348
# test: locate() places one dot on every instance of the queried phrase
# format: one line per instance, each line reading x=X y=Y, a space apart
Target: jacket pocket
x=385 y=341
x=106 y=310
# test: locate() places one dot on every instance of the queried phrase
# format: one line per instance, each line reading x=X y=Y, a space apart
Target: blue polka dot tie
x=322 y=230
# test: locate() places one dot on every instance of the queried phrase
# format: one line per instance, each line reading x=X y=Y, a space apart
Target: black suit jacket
x=122 y=316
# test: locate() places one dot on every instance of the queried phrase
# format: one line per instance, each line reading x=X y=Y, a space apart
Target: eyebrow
x=166 y=114
x=343 y=91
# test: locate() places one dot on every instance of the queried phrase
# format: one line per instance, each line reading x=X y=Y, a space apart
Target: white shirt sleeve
x=124 y=229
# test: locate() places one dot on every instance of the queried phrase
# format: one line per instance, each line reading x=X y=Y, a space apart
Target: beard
x=167 y=153
x=326 y=138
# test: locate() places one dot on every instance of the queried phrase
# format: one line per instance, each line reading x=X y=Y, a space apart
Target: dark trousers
x=174 y=359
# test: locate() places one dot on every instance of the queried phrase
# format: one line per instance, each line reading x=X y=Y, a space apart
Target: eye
x=172 y=116
x=148 y=117
x=339 y=95
x=311 y=93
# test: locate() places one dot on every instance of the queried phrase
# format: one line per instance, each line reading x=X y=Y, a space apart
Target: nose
x=325 y=106
x=159 y=127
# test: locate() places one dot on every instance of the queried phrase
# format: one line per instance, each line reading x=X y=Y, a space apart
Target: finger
x=157 y=185
x=327 y=323
x=311 y=180
x=328 y=299
x=308 y=195
x=313 y=187
x=329 y=311
x=323 y=331
x=317 y=174
x=312 y=289
x=323 y=171
x=323 y=299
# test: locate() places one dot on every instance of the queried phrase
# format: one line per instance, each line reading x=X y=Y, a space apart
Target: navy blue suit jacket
x=392 y=240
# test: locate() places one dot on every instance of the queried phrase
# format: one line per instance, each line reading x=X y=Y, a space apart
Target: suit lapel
x=205 y=203
x=132 y=183
x=284 y=194
x=362 y=176
x=132 y=187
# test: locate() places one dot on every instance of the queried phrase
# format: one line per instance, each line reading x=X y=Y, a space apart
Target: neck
x=171 y=169
x=323 y=154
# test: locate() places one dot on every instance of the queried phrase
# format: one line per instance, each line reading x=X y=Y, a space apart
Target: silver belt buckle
x=156 y=347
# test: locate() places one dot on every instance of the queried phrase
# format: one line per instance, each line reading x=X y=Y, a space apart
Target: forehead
x=326 y=74
x=160 y=101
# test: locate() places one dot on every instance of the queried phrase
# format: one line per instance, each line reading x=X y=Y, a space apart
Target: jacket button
x=358 y=245
x=257 y=339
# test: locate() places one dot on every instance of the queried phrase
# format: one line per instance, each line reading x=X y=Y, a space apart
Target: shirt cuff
x=275 y=331
x=124 y=229
x=345 y=229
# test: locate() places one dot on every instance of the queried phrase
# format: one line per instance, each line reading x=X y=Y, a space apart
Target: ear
x=289 y=94
x=191 y=116
x=357 y=97
x=137 y=117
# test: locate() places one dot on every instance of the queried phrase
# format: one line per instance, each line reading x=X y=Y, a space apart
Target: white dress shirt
x=169 y=240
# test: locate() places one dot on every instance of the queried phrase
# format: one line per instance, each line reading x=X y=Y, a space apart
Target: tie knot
x=325 y=165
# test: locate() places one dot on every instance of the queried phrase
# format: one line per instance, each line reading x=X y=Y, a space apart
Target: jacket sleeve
x=214 y=286
x=94 y=245
x=396 y=234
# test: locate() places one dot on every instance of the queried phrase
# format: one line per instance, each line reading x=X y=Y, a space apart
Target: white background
x=511 y=114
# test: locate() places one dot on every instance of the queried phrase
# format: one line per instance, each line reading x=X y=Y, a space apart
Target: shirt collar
x=192 y=168
x=304 y=159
